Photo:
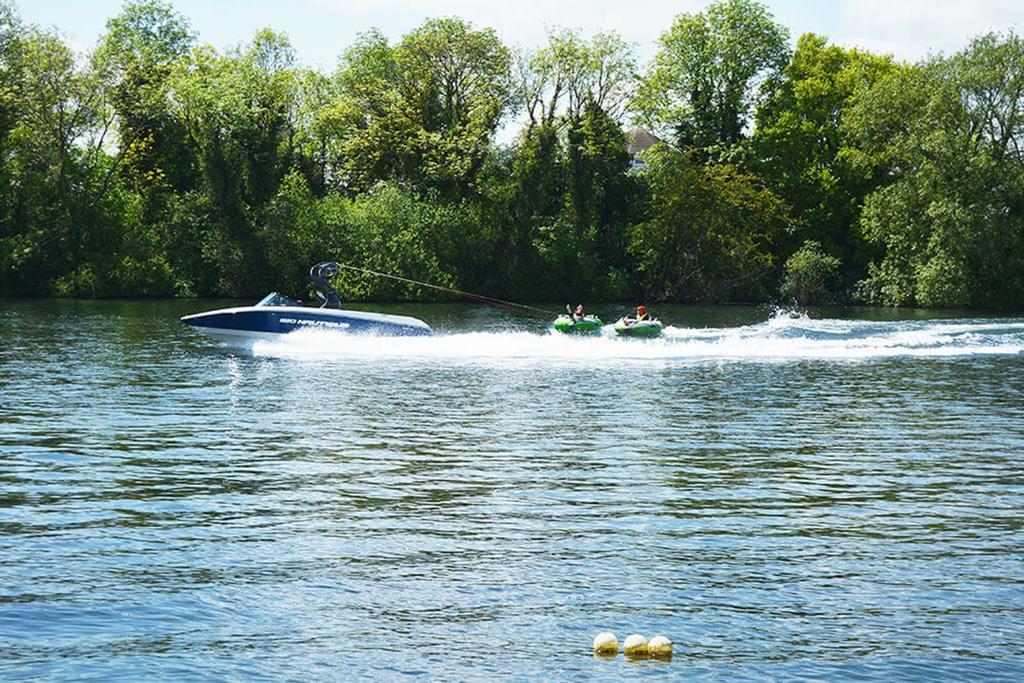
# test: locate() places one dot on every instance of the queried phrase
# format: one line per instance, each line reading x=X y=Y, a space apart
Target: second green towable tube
x=641 y=328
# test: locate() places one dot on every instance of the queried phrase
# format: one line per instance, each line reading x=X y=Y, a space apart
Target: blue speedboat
x=277 y=314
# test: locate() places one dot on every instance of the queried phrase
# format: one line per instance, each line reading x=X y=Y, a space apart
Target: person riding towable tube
x=641 y=315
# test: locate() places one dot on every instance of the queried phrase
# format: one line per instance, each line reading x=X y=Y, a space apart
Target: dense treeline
x=157 y=166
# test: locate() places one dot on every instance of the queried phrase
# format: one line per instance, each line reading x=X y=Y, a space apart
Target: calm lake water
x=833 y=496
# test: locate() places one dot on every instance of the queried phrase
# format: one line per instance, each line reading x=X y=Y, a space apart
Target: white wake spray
x=784 y=336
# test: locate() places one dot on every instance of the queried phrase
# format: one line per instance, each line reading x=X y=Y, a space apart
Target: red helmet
x=640 y=309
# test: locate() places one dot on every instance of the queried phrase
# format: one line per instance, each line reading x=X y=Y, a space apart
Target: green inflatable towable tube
x=591 y=324
x=643 y=328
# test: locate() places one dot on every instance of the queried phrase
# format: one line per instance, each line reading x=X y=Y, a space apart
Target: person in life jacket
x=641 y=314
x=575 y=314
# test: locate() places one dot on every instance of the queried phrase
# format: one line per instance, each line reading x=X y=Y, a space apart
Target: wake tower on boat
x=275 y=315
x=321 y=274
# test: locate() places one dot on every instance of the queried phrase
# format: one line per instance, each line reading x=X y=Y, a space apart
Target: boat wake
x=785 y=336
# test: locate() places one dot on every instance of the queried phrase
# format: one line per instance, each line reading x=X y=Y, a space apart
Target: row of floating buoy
x=635 y=646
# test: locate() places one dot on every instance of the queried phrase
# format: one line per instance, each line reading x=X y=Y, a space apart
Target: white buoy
x=606 y=644
x=659 y=646
x=635 y=646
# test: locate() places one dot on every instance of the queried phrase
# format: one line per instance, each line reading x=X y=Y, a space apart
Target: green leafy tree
x=312 y=142
x=951 y=222
x=703 y=85
x=571 y=197
x=137 y=54
x=10 y=104
x=11 y=33
x=800 y=150
x=559 y=80
x=372 y=130
x=459 y=82
x=599 y=188
x=810 y=275
x=61 y=176
x=237 y=111
x=709 y=231
x=529 y=187
x=136 y=57
x=424 y=111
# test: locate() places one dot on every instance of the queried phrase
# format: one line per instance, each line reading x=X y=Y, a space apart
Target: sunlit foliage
x=156 y=165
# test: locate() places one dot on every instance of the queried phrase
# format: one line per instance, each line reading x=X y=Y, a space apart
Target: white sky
x=322 y=29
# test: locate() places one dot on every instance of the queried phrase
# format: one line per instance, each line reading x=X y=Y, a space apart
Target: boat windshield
x=275 y=299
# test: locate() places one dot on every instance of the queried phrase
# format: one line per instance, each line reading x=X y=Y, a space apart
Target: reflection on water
x=783 y=497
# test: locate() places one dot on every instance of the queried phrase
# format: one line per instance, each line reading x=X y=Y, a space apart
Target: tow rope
x=466 y=295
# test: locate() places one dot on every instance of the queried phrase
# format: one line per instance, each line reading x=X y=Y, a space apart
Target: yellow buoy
x=606 y=644
x=635 y=646
x=659 y=646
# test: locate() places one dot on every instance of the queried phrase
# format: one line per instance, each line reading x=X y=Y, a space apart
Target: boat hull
x=253 y=323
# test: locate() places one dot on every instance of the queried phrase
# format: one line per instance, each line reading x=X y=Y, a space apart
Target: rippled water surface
x=834 y=496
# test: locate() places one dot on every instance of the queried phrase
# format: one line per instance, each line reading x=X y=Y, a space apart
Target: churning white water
x=784 y=336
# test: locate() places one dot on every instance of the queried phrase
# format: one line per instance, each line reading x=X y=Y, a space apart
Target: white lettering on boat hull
x=314 y=323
